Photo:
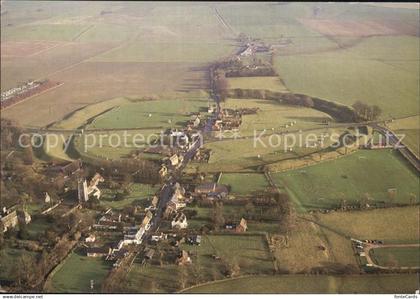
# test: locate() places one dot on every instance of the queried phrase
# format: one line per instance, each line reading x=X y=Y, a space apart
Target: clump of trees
x=221 y=85
x=217 y=215
x=366 y=112
x=286 y=213
x=126 y=170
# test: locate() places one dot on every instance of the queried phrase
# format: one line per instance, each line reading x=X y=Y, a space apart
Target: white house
x=179 y=221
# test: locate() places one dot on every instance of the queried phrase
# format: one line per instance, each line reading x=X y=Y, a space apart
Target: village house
x=177 y=200
x=117 y=254
x=163 y=171
x=155 y=201
x=193 y=240
x=242 y=226
x=157 y=237
x=98 y=251
x=67 y=169
x=212 y=189
x=146 y=220
x=149 y=253
x=179 y=221
x=183 y=258
x=92 y=188
x=90 y=239
x=133 y=236
x=10 y=219
x=238 y=228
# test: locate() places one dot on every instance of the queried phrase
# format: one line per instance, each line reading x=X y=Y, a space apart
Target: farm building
x=183 y=258
x=211 y=188
x=179 y=221
x=10 y=219
x=238 y=228
x=98 y=251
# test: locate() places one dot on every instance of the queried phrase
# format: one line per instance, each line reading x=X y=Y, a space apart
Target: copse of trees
x=365 y=111
x=221 y=86
x=286 y=213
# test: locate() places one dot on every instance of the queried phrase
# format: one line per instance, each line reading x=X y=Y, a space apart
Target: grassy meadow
x=245 y=183
x=268 y=83
x=396 y=256
x=377 y=71
x=272 y=115
x=78 y=270
x=350 y=178
x=394 y=225
x=139 y=193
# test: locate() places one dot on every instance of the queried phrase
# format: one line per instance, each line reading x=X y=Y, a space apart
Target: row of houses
x=10 y=93
x=132 y=235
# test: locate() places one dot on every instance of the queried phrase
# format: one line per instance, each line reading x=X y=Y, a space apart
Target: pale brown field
x=13 y=49
x=92 y=82
x=333 y=27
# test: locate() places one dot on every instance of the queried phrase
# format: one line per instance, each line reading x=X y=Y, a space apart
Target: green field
x=374 y=172
x=37 y=226
x=163 y=114
x=410 y=127
x=245 y=183
x=75 y=274
x=274 y=115
x=268 y=83
x=139 y=193
x=250 y=252
x=396 y=257
x=247 y=251
x=9 y=259
x=384 y=284
x=236 y=155
x=375 y=224
x=231 y=155
x=378 y=71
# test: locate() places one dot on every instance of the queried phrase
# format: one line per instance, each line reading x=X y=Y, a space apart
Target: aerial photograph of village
x=209 y=148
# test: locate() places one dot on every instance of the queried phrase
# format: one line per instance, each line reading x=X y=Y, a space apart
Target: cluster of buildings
x=24 y=88
x=84 y=190
x=227 y=119
x=10 y=218
x=253 y=47
x=231 y=119
x=132 y=235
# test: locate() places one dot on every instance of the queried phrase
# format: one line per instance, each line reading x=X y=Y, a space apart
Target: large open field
x=136 y=51
x=396 y=256
x=75 y=274
x=350 y=178
x=249 y=252
x=378 y=71
x=394 y=225
x=150 y=114
x=272 y=115
x=301 y=284
x=268 y=83
x=232 y=155
x=244 y=183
